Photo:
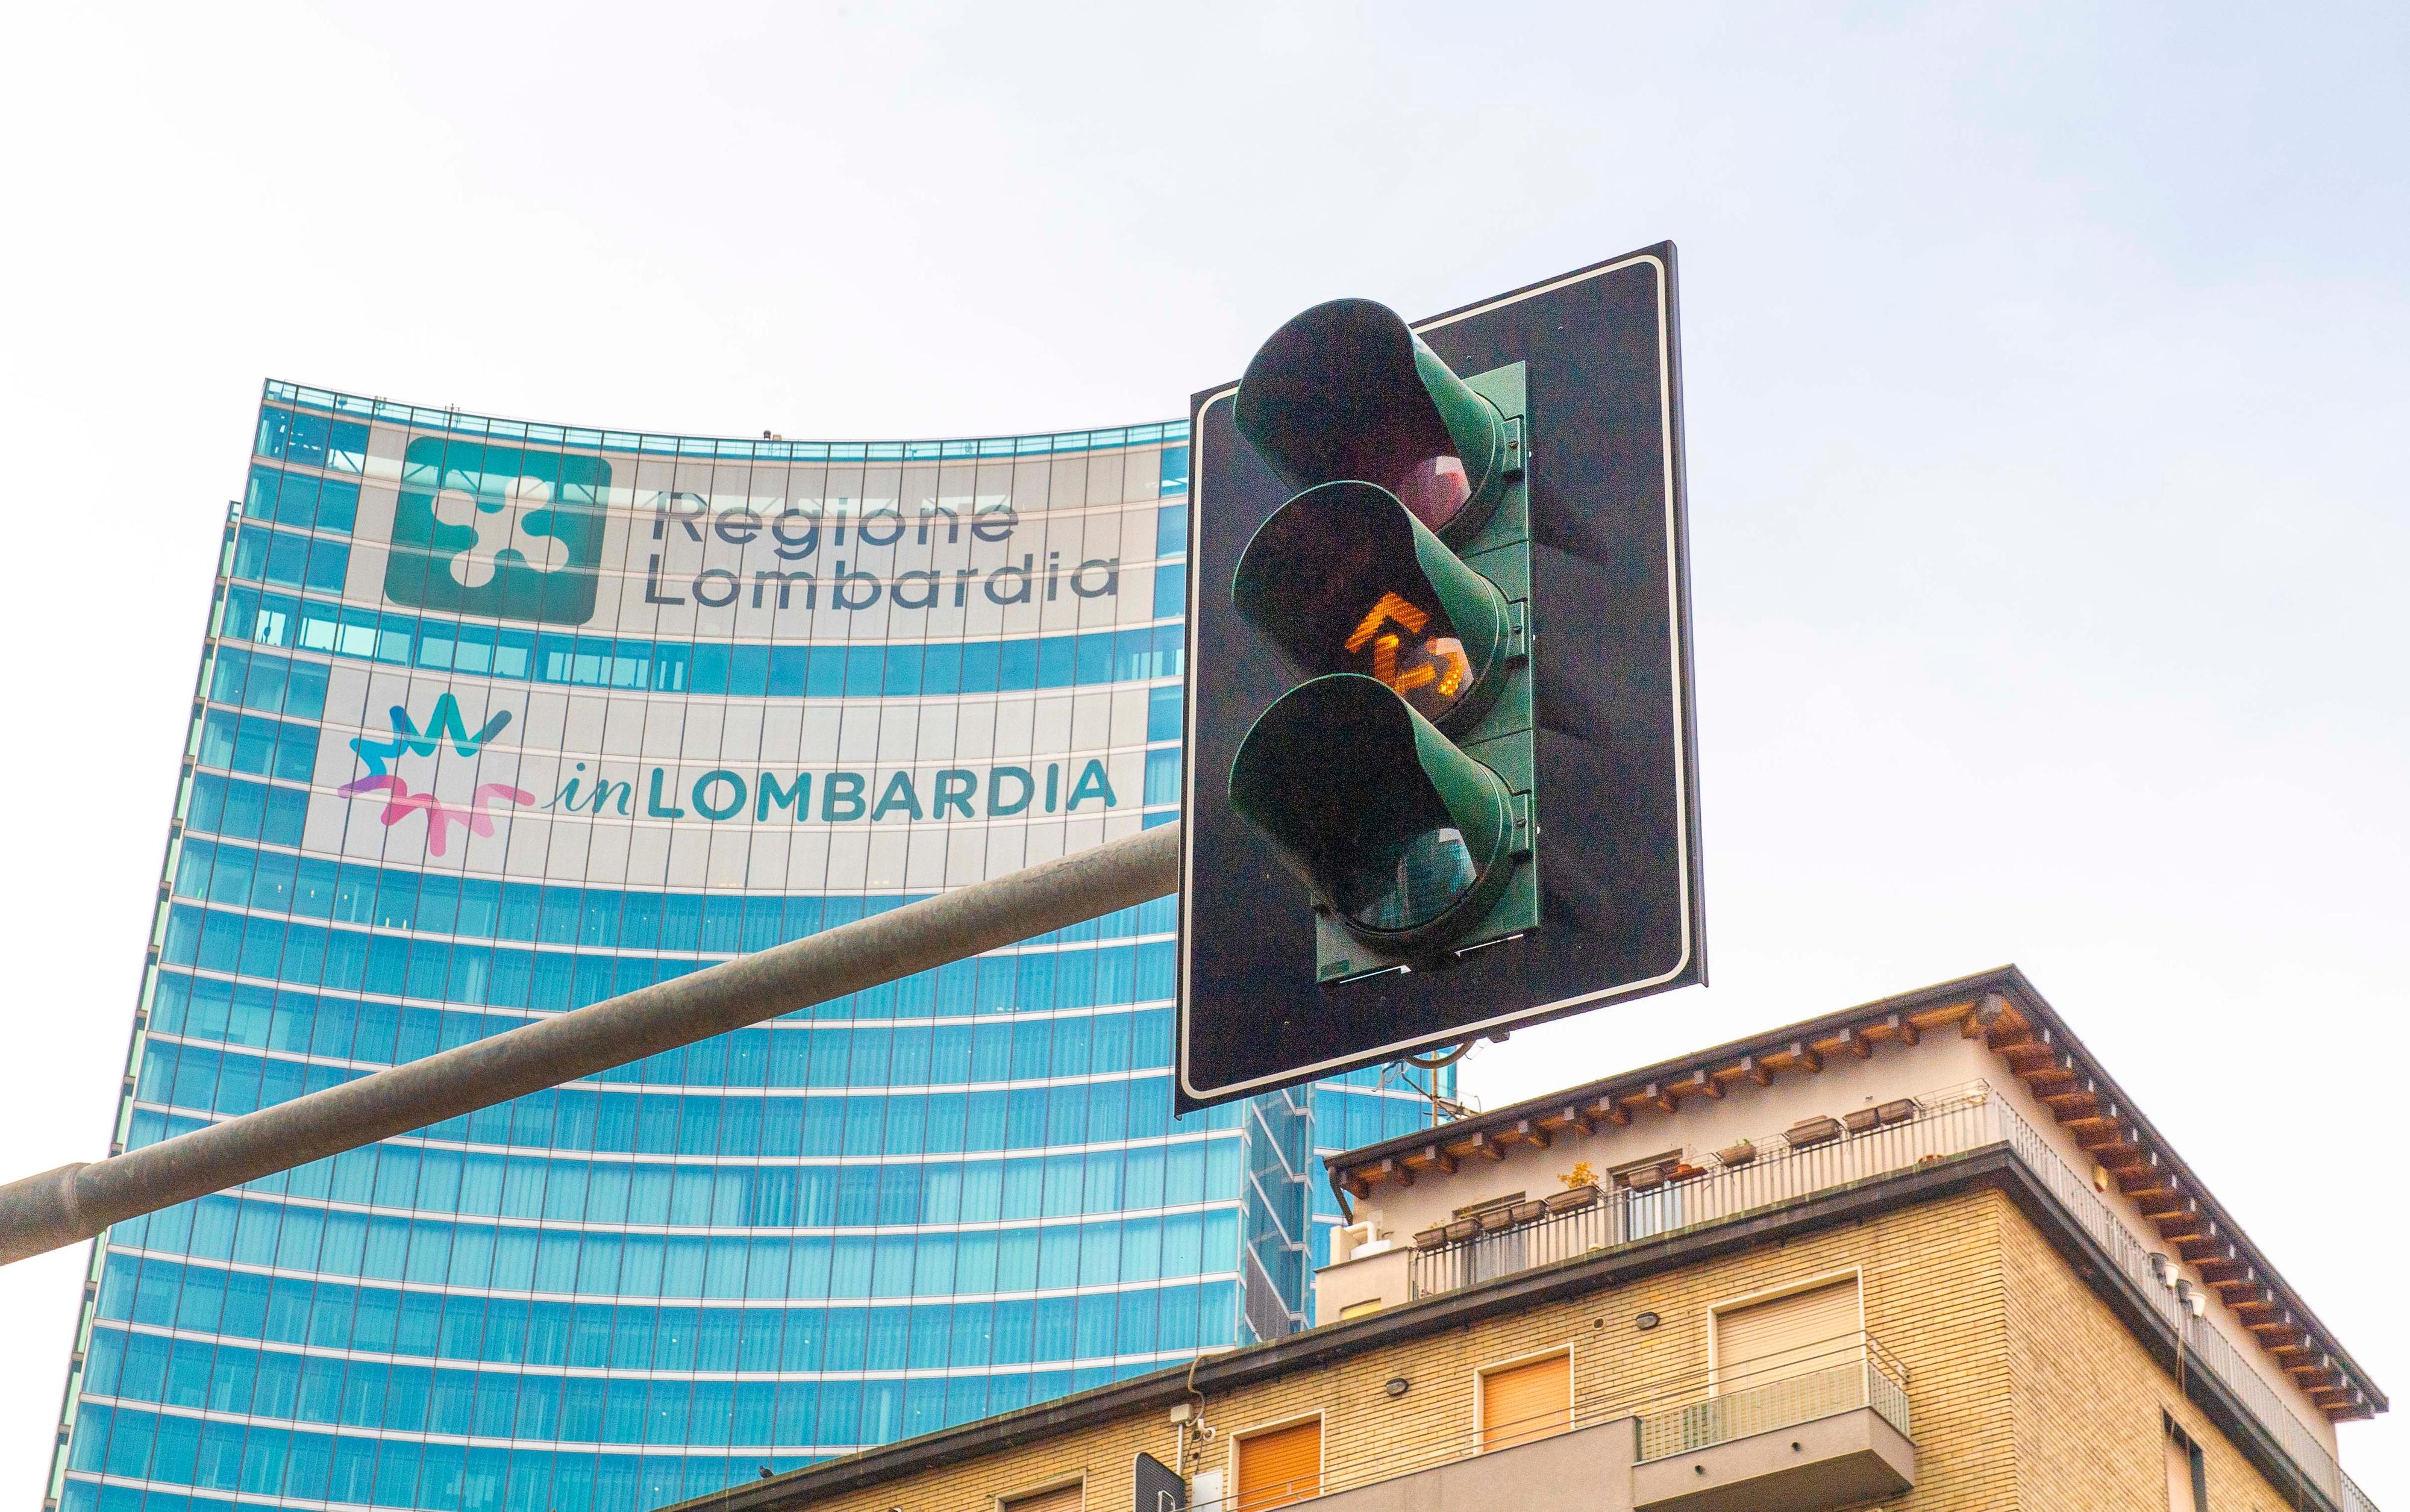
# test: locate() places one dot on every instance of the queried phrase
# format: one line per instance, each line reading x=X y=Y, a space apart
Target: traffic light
x=1438 y=765
x=1396 y=781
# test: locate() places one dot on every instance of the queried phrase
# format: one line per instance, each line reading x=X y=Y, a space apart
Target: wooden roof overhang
x=2001 y=1009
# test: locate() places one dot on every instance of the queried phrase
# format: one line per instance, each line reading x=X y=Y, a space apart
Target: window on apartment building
x=1279 y=1465
x=1054 y=1499
x=1642 y=1174
x=2187 y=1477
x=1503 y=1249
x=1525 y=1402
x=1649 y=1206
x=1490 y=1204
x=1800 y=1333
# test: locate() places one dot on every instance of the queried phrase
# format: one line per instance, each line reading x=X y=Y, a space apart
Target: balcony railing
x=1836 y=1378
x=1956 y=1122
x=1605 y=1223
x=1944 y=1124
x=1682 y=1413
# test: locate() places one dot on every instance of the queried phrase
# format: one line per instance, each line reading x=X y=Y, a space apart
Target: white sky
x=2046 y=417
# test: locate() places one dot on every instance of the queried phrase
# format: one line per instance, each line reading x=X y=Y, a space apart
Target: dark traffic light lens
x=1346 y=579
x=1408 y=882
x=1402 y=835
x=1435 y=489
x=1346 y=392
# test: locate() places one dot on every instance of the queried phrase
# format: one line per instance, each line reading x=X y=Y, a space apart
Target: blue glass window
x=1170 y=588
x=1161 y=777
x=1163 y=714
x=275 y=425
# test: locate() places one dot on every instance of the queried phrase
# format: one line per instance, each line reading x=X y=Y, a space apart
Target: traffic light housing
x=1347 y=391
x=1438 y=768
x=1408 y=849
x=1395 y=782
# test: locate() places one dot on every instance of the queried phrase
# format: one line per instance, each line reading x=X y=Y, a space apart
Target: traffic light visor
x=1343 y=578
x=1346 y=391
x=1407 y=839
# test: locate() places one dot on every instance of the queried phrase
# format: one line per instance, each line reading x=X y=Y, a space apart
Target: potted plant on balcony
x=1431 y=1238
x=1581 y=1190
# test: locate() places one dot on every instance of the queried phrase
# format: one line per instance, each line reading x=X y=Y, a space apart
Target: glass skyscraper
x=495 y=719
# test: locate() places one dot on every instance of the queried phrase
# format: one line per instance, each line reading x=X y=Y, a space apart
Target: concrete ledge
x=1848 y=1457
x=1588 y=1470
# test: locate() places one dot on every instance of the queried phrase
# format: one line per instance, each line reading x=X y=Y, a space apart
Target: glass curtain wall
x=496 y=719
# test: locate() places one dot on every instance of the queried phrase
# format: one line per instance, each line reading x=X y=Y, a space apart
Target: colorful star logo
x=400 y=802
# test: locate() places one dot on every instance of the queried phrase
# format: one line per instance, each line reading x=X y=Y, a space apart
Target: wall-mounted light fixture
x=1646 y=1321
x=1397 y=1386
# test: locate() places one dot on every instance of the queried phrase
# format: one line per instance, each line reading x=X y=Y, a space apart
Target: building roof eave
x=2003 y=1010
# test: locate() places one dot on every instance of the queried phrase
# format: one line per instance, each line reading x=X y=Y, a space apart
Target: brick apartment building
x=1918 y=1254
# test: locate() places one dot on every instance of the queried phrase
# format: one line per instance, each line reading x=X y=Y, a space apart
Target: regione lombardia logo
x=385 y=758
x=499 y=532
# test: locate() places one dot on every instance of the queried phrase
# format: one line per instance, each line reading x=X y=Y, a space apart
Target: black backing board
x=1615 y=797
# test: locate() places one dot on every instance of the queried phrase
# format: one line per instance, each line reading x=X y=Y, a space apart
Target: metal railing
x=1836 y=1376
x=1559 y=1236
x=1350 y=1463
x=1955 y=1122
x=1945 y=1123
x=2206 y=1348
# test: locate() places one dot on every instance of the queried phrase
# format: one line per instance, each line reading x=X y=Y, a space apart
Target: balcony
x=1829 y=1428
x=1803 y=1162
x=1779 y=1169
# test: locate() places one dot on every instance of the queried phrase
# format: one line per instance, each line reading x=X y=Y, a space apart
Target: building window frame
x=1481 y=1375
x=1006 y=1501
x=2196 y=1462
x=1854 y=1273
x=1318 y=1417
x=1488 y=1204
x=1620 y=1175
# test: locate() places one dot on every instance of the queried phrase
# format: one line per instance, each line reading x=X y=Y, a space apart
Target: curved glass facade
x=496 y=719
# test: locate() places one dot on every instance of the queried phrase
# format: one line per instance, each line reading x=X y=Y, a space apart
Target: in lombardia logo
x=501 y=531
x=402 y=800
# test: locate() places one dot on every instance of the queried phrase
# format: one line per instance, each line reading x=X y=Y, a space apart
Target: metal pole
x=77 y=1201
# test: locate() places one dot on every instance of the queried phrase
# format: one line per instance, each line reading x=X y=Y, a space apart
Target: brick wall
x=1935 y=1291
x=2087 y=1398
x=2025 y=1391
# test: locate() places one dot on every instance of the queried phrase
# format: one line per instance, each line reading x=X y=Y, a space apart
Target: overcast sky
x=2046 y=401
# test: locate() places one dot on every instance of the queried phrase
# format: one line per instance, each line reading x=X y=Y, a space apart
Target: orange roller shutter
x=1523 y=1402
x=1279 y=1467
x=1795 y=1335
x=1061 y=1498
